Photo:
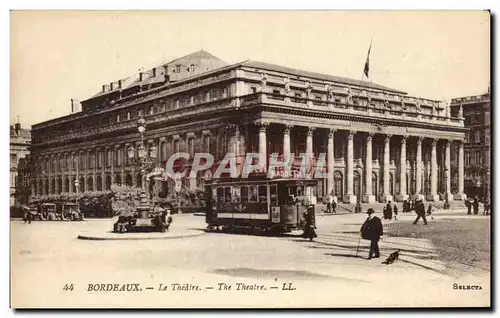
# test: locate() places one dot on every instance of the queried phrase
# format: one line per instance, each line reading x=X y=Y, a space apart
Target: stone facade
x=477 y=149
x=375 y=138
x=20 y=141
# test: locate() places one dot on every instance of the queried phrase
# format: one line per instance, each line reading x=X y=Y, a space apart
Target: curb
x=127 y=237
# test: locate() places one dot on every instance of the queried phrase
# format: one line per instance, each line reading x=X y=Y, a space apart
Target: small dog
x=392 y=258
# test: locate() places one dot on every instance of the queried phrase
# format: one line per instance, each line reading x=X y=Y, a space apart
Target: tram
x=258 y=203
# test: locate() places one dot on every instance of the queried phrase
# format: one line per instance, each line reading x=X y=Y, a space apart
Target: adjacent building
x=380 y=143
x=20 y=141
x=477 y=151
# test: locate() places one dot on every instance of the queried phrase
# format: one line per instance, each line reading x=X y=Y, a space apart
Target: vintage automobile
x=258 y=203
x=48 y=212
x=71 y=211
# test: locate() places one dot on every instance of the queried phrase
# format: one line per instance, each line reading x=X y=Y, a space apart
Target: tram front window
x=227 y=194
x=262 y=194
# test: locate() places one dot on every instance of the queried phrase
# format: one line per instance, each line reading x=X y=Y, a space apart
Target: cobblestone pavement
x=46 y=256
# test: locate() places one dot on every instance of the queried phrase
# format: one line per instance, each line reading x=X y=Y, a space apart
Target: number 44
x=68 y=287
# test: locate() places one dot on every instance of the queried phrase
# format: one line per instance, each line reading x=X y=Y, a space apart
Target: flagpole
x=367 y=60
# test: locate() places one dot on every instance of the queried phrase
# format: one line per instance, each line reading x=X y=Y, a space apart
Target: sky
x=56 y=56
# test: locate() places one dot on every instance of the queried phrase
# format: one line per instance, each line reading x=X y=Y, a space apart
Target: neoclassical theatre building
x=380 y=143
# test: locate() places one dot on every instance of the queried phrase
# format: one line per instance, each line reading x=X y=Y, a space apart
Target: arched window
x=59 y=185
x=357 y=184
x=66 y=184
x=81 y=184
x=128 y=180
x=138 y=179
x=374 y=185
x=108 y=182
x=118 y=179
x=90 y=184
x=98 y=183
x=338 y=184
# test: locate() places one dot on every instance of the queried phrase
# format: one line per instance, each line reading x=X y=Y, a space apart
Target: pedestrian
x=412 y=206
x=468 y=204
x=475 y=205
x=334 y=207
x=329 y=204
x=388 y=211
x=420 y=210
x=309 y=227
x=486 y=208
x=372 y=230
x=395 y=211
x=357 y=208
x=429 y=211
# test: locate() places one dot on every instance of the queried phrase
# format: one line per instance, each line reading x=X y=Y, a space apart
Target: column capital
x=419 y=140
x=460 y=143
x=447 y=143
x=331 y=132
x=262 y=125
x=434 y=142
x=404 y=138
x=351 y=134
x=288 y=128
x=310 y=131
x=388 y=137
x=369 y=136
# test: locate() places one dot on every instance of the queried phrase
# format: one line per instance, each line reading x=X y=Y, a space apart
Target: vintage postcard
x=250 y=159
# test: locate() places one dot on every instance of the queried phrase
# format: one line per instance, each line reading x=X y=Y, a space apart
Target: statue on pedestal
x=309 y=89
x=263 y=80
x=287 y=85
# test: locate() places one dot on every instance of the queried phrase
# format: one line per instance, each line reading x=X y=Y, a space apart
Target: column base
x=386 y=198
x=460 y=197
x=402 y=197
x=418 y=197
x=433 y=197
x=349 y=199
x=368 y=198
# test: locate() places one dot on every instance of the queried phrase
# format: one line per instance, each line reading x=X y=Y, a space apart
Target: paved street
x=48 y=255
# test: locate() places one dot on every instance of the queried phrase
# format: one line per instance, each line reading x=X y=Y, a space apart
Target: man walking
x=372 y=230
x=420 y=210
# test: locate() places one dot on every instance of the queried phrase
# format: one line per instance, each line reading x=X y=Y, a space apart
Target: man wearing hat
x=372 y=230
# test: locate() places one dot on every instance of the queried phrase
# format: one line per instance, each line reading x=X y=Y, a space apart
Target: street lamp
x=146 y=162
x=77 y=185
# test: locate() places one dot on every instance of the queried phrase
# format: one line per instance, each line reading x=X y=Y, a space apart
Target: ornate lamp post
x=77 y=185
x=146 y=161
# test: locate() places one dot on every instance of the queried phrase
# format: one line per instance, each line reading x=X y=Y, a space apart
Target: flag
x=367 y=63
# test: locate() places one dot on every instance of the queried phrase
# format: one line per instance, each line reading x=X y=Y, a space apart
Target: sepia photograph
x=250 y=159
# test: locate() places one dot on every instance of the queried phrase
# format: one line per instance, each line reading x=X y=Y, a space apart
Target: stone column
x=368 y=197
x=460 y=195
x=263 y=146
x=310 y=152
x=402 y=172
x=94 y=170
x=447 y=170
x=330 y=161
x=87 y=170
x=433 y=196
x=387 y=152
x=57 y=169
x=350 y=197
x=418 y=172
x=286 y=141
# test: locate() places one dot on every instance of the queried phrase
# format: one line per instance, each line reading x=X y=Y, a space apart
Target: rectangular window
x=253 y=194
x=262 y=194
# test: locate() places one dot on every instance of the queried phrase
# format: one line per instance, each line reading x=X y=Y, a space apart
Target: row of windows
x=474 y=136
x=473 y=158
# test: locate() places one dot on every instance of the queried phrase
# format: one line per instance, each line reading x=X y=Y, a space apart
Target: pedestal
x=433 y=197
x=386 y=198
x=460 y=197
x=368 y=198
x=349 y=199
x=401 y=197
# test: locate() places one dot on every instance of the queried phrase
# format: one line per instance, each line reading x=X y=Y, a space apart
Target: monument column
x=387 y=196
x=368 y=197
x=349 y=197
